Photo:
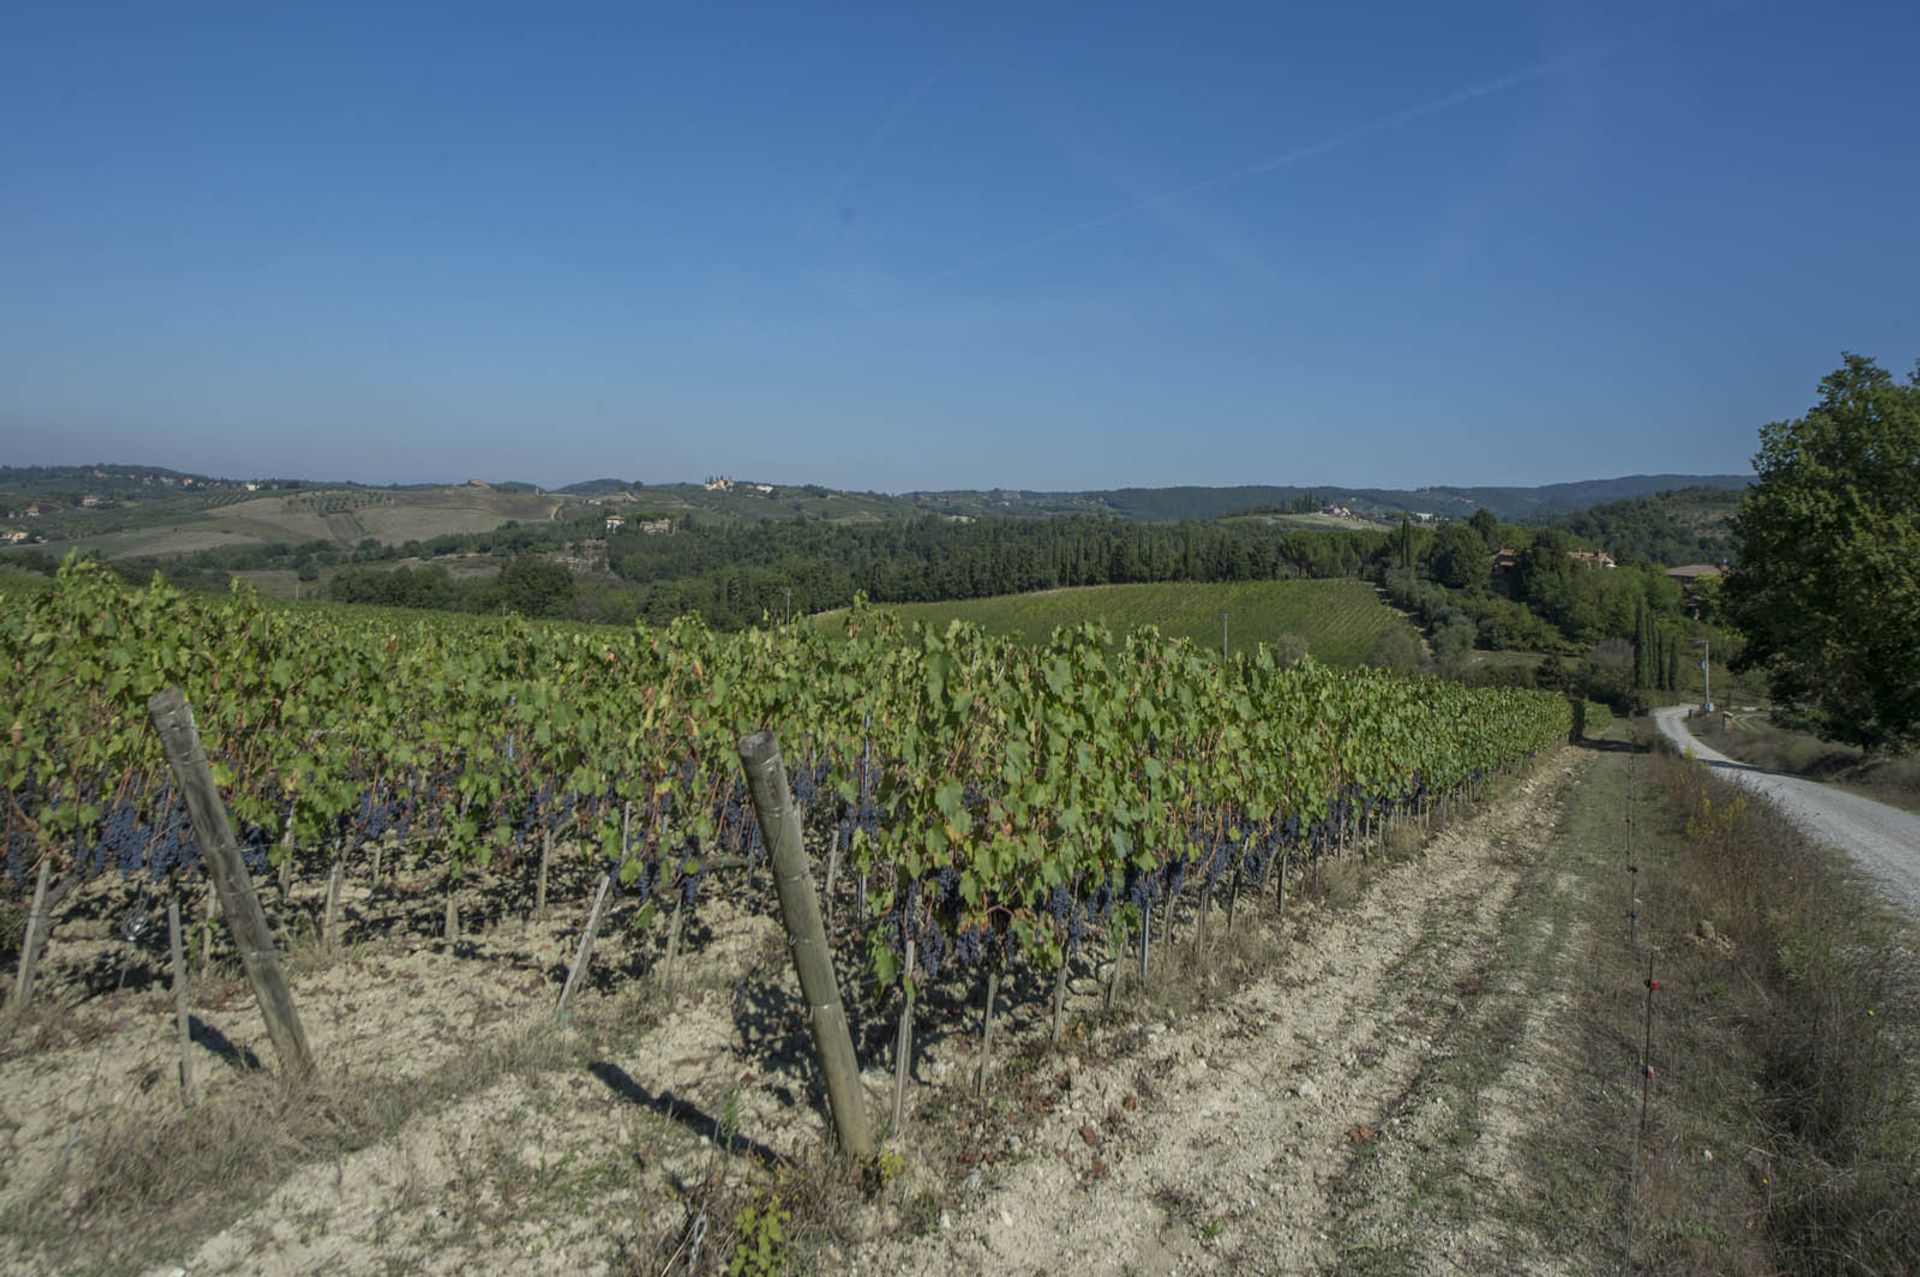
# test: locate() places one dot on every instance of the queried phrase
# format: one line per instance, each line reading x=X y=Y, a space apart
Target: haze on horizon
x=1391 y=246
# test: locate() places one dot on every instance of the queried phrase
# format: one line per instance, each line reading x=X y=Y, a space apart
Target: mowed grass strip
x=1338 y=620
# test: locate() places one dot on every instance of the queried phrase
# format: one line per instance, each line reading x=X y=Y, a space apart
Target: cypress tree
x=1642 y=658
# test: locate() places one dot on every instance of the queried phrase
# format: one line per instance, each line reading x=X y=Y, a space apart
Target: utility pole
x=1706 y=673
x=1223 y=634
x=789 y=605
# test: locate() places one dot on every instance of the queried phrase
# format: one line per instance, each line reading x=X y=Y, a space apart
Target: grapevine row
x=995 y=799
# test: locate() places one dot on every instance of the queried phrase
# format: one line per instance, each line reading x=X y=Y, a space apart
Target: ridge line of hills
x=123 y=486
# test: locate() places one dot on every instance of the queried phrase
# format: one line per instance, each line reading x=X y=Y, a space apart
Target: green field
x=1339 y=620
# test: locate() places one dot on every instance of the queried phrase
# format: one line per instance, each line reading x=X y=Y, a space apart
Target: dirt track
x=1884 y=840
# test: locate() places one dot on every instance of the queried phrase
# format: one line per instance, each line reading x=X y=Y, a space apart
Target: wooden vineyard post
x=31 y=939
x=1146 y=939
x=584 y=955
x=540 y=885
x=173 y=717
x=807 y=941
x=1058 y=1023
x=207 y=917
x=833 y=872
x=903 y=1045
x=676 y=915
x=986 y=1032
x=331 y=928
x=180 y=1003
x=450 y=924
x=1206 y=907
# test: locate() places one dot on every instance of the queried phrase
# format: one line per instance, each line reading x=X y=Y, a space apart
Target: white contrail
x=878 y=137
x=1359 y=132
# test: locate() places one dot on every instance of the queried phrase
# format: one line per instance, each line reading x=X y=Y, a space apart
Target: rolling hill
x=1339 y=620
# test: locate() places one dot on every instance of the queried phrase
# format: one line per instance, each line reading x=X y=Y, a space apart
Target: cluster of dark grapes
x=162 y=845
x=379 y=813
x=1215 y=857
x=1069 y=916
x=19 y=853
x=864 y=816
x=1142 y=888
x=736 y=828
x=807 y=781
x=1174 y=874
x=175 y=850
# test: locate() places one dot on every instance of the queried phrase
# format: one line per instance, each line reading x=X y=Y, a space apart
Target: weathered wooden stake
x=286 y=863
x=30 y=940
x=451 y=923
x=807 y=941
x=540 y=884
x=903 y=1044
x=584 y=955
x=180 y=1003
x=986 y=1033
x=207 y=916
x=1059 y=998
x=173 y=717
x=331 y=928
x=833 y=873
x=673 y=943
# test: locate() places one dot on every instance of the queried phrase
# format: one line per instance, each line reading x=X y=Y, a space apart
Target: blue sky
x=1040 y=246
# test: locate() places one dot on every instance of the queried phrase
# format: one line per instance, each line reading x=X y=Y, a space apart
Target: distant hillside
x=1687 y=525
x=1168 y=504
x=128 y=510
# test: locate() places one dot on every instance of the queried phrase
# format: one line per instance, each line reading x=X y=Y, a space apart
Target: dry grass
x=133 y=1185
x=1752 y=738
x=1824 y=985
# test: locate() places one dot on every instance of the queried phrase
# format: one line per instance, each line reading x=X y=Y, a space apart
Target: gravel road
x=1884 y=840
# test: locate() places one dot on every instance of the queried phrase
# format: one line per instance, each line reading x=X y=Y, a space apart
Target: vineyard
x=982 y=814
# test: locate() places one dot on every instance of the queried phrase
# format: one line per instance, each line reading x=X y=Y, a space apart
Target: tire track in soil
x=1247 y=1117
x=1450 y=1193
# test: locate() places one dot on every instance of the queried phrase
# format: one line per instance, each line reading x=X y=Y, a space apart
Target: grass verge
x=1821 y=978
x=1751 y=738
x=1782 y=1129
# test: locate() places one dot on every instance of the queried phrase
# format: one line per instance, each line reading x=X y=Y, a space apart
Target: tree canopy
x=1828 y=543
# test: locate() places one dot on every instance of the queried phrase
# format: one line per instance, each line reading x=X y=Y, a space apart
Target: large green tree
x=1461 y=558
x=1827 y=589
x=536 y=586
